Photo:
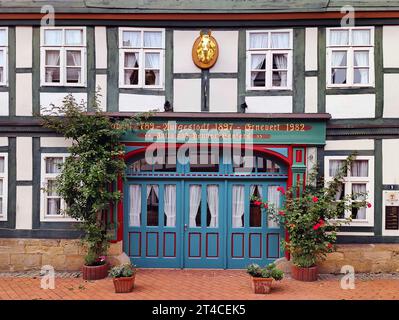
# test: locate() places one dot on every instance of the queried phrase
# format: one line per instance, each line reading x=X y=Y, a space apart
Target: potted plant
x=312 y=219
x=123 y=277
x=262 y=278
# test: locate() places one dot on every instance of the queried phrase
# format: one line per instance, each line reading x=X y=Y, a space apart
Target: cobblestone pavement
x=196 y=284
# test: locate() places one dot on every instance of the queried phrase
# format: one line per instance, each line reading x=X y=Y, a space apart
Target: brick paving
x=195 y=284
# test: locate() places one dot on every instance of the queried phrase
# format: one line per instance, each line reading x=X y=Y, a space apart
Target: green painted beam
x=298 y=85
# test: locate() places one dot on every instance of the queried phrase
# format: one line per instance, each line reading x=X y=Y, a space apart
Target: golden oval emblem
x=205 y=51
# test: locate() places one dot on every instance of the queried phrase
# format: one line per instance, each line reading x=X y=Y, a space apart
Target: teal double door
x=192 y=223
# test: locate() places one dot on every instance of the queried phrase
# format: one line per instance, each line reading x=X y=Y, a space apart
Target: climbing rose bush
x=312 y=219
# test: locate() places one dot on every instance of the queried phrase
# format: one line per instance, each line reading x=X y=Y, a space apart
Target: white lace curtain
x=135 y=205
x=3 y=37
x=258 y=40
x=361 y=37
x=53 y=37
x=53 y=60
x=195 y=201
x=334 y=167
x=273 y=196
x=238 y=206
x=361 y=59
x=73 y=37
x=360 y=168
x=280 y=40
x=1 y=164
x=132 y=39
x=356 y=189
x=152 y=39
x=74 y=60
x=131 y=61
x=53 y=165
x=170 y=205
x=258 y=62
x=281 y=61
x=339 y=37
x=213 y=204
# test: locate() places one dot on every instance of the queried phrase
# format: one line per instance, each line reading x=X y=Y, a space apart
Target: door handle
x=185 y=227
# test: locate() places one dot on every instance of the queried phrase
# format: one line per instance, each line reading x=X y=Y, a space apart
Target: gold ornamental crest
x=205 y=51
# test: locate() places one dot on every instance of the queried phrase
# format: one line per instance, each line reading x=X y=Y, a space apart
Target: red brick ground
x=196 y=284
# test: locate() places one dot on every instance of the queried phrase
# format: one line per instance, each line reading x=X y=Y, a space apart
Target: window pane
x=132 y=39
x=53 y=37
x=135 y=205
x=3 y=37
x=54 y=206
x=74 y=75
x=1 y=74
x=335 y=166
x=52 y=57
x=2 y=60
x=1 y=164
x=238 y=204
x=258 y=40
x=74 y=58
x=361 y=37
x=170 y=205
x=258 y=62
x=279 y=78
x=1 y=206
x=361 y=58
x=340 y=192
x=53 y=165
x=51 y=188
x=280 y=40
x=338 y=76
x=280 y=61
x=361 y=75
x=52 y=75
x=152 y=77
x=152 y=60
x=195 y=205
x=358 y=191
x=360 y=168
x=339 y=37
x=212 y=206
x=131 y=60
x=339 y=59
x=74 y=37
x=255 y=212
x=152 y=205
x=132 y=77
x=152 y=39
x=1 y=187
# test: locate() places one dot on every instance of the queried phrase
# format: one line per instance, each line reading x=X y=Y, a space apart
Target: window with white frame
x=350 y=57
x=269 y=59
x=52 y=205
x=358 y=182
x=63 y=56
x=3 y=186
x=142 y=58
x=3 y=56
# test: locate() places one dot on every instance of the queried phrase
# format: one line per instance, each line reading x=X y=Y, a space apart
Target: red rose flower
x=265 y=206
x=329 y=245
x=257 y=203
x=315 y=199
x=281 y=213
x=316 y=226
x=369 y=205
x=281 y=189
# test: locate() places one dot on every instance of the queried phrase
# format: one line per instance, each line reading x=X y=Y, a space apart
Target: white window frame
x=4 y=48
x=348 y=181
x=269 y=60
x=43 y=194
x=141 y=52
x=4 y=176
x=350 y=49
x=63 y=48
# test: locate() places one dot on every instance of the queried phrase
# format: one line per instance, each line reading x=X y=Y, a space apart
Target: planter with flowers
x=123 y=277
x=313 y=218
x=95 y=270
x=262 y=278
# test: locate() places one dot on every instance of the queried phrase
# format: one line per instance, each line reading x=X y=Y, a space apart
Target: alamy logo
x=47 y=275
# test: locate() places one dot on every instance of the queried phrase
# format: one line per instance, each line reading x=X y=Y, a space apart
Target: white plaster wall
x=390 y=156
x=23 y=219
x=351 y=106
x=228 y=51
x=182 y=51
x=47 y=98
x=223 y=95
x=24 y=158
x=361 y=144
x=3 y=103
x=23 y=99
x=101 y=83
x=54 y=142
x=140 y=103
x=269 y=104
x=187 y=95
x=100 y=37
x=3 y=141
x=391 y=95
x=23 y=42
x=311 y=94
x=391 y=46
x=311 y=50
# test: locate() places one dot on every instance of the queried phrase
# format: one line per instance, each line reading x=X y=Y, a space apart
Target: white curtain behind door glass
x=132 y=39
x=280 y=40
x=361 y=37
x=152 y=187
x=135 y=205
x=360 y=168
x=238 y=206
x=258 y=40
x=170 y=204
x=361 y=59
x=213 y=203
x=152 y=39
x=339 y=37
x=273 y=197
x=356 y=189
x=195 y=201
x=252 y=190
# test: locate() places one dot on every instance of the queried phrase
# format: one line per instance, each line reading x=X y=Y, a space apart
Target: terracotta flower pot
x=95 y=272
x=262 y=285
x=304 y=274
x=124 y=284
